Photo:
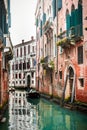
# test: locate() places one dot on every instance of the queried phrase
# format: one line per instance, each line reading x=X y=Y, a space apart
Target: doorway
x=71 y=83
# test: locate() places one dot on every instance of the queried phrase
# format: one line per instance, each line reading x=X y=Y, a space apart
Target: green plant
x=42 y=60
x=63 y=42
x=72 y=28
x=51 y=64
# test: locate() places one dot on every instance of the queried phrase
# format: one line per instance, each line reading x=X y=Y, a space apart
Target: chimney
x=23 y=41
x=32 y=38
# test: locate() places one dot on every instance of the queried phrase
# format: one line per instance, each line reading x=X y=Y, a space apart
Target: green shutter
x=54 y=8
x=73 y=18
x=44 y=18
x=80 y=13
x=59 y=4
x=80 y=19
x=5 y=25
x=40 y=28
x=37 y=22
x=68 y=23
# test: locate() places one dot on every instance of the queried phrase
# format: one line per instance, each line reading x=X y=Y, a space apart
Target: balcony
x=47 y=63
x=8 y=49
x=75 y=32
x=32 y=54
x=70 y=37
x=48 y=25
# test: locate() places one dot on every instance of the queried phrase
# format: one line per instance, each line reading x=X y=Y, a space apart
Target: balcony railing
x=47 y=62
x=75 y=31
x=70 y=37
x=47 y=25
x=32 y=54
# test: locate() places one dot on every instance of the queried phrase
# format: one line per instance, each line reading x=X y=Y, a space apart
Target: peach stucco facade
x=62 y=68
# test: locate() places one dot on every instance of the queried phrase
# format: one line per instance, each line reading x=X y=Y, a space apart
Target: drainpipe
x=43 y=43
x=57 y=34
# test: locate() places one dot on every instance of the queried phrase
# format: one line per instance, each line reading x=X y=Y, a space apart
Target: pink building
x=62 y=49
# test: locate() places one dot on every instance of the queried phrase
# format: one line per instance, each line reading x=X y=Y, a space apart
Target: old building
x=6 y=53
x=61 y=30
x=23 y=65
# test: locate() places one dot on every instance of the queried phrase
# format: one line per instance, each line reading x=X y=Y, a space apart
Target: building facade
x=6 y=53
x=23 y=65
x=61 y=30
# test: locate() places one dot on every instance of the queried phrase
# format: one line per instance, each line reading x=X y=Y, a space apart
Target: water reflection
x=40 y=115
x=21 y=113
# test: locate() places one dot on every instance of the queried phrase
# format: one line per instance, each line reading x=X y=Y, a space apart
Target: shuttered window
x=59 y=4
x=36 y=22
x=54 y=8
x=40 y=28
x=80 y=18
x=44 y=18
x=68 y=23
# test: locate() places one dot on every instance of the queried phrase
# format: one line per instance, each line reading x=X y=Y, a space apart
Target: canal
x=24 y=114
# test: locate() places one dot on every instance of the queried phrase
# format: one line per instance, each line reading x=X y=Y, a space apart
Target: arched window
x=68 y=21
x=80 y=18
x=72 y=15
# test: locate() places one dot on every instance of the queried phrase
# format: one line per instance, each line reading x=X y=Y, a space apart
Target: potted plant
x=63 y=42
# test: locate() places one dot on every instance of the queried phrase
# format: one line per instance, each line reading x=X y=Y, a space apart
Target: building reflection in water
x=22 y=115
x=27 y=115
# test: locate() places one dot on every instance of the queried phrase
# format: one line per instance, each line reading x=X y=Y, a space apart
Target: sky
x=22 y=20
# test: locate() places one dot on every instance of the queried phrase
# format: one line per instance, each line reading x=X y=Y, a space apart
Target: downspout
x=43 y=42
x=56 y=37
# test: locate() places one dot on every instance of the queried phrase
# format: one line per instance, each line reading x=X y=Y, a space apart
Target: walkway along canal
x=42 y=114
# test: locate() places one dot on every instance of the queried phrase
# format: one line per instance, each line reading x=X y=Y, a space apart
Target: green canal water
x=40 y=114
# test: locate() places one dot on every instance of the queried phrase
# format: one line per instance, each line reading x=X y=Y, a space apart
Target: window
x=80 y=55
x=81 y=82
x=17 y=52
x=20 y=66
x=60 y=74
x=16 y=76
x=32 y=48
x=20 y=76
x=16 y=66
x=54 y=8
x=24 y=50
x=21 y=51
x=32 y=74
x=28 y=49
x=23 y=82
x=59 y=4
x=28 y=64
x=13 y=67
x=24 y=65
x=32 y=82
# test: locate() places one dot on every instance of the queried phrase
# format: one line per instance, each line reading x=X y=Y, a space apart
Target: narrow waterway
x=40 y=114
